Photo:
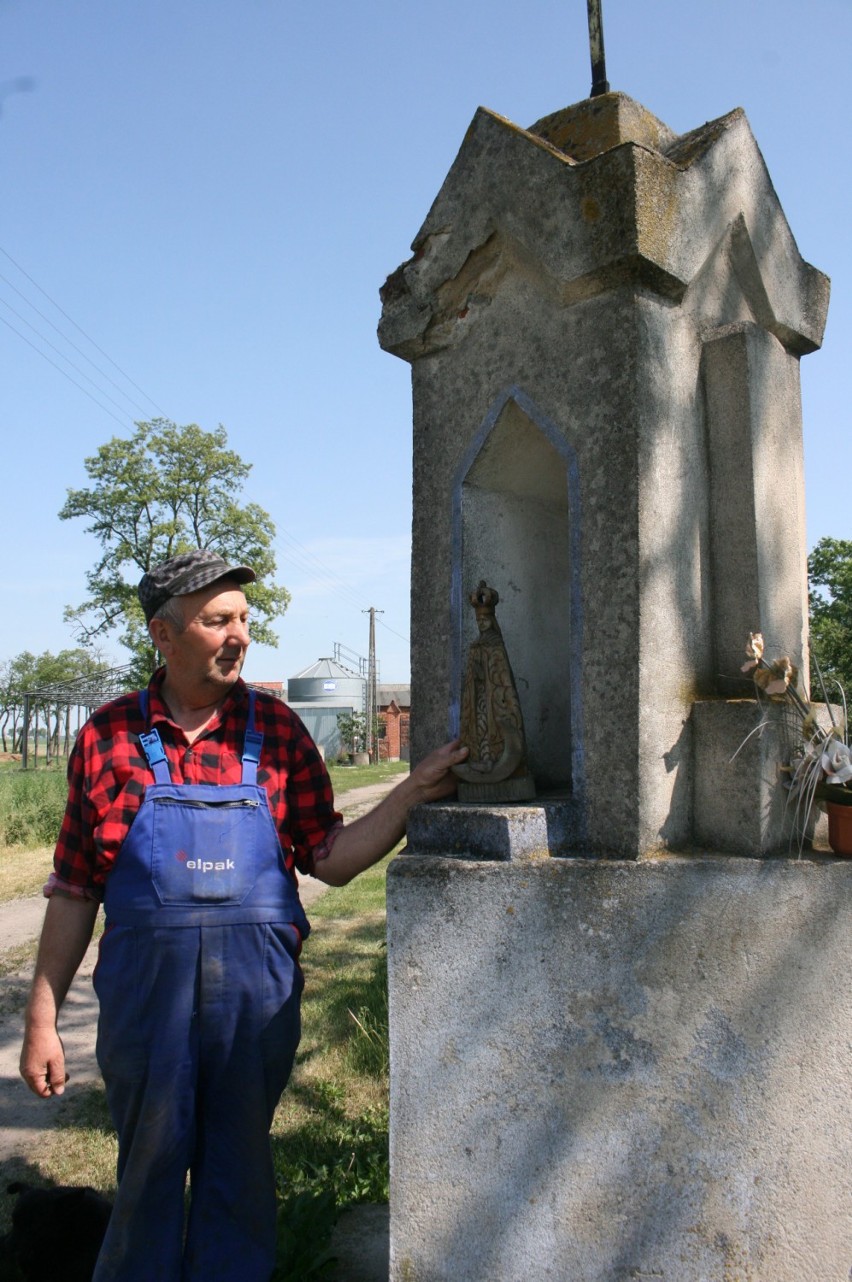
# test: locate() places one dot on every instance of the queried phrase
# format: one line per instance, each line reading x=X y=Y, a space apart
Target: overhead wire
x=299 y=555
x=310 y=563
x=63 y=372
x=69 y=341
x=59 y=353
x=88 y=339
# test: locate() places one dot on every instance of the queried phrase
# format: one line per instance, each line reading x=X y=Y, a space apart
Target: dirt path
x=23 y=1117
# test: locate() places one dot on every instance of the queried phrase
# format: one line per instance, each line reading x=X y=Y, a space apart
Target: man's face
x=209 y=654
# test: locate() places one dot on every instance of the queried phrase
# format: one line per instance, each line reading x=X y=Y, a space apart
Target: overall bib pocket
x=203 y=850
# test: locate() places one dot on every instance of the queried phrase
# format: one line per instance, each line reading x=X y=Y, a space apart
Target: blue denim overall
x=199 y=992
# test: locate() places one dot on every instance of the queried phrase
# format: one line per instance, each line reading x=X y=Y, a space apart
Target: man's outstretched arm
x=363 y=843
x=65 y=936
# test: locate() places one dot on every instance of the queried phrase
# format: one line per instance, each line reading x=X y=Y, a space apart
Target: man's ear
x=160 y=633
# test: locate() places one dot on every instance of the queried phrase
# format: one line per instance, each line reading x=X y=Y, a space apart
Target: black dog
x=56 y=1234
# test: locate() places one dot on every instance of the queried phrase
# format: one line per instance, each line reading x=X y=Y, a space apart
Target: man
x=190 y=804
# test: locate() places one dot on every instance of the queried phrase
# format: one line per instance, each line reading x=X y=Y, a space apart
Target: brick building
x=394 y=703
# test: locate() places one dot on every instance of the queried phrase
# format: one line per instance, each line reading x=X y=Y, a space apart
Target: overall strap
x=152 y=746
x=252 y=745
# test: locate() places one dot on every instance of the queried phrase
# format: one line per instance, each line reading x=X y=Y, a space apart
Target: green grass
x=345 y=777
x=13 y=995
x=330 y=1135
x=32 y=803
x=11 y=761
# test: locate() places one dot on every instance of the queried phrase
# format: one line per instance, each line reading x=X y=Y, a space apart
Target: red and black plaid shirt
x=108 y=774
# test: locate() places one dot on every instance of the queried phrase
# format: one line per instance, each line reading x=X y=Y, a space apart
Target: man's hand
x=65 y=935
x=433 y=776
x=43 y=1062
x=361 y=844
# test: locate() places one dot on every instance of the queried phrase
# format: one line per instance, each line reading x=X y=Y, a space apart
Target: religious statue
x=492 y=727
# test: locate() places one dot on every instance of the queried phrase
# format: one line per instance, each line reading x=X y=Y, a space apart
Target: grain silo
x=319 y=694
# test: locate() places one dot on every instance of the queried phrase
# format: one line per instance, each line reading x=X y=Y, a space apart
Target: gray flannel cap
x=188 y=572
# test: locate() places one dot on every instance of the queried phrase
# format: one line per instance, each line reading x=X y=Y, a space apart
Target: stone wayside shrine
x=621 y=1015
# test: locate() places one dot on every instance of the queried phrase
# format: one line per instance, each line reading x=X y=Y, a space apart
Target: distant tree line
x=27 y=672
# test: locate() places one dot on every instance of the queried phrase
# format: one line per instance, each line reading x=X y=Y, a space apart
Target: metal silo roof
x=325 y=669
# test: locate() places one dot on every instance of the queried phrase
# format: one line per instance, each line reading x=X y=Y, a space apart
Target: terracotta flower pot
x=840 y=829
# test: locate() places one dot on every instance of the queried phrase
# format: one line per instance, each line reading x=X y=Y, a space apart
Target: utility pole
x=372 y=688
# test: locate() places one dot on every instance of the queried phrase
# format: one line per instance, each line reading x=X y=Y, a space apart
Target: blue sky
x=214 y=192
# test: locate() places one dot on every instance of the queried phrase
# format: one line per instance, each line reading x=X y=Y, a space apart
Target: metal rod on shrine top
x=600 y=84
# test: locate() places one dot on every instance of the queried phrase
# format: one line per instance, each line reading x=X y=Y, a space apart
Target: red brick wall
x=394 y=744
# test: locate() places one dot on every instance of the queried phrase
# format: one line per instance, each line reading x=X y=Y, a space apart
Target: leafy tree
x=830 y=573
x=353 y=730
x=166 y=490
x=16 y=676
x=28 y=672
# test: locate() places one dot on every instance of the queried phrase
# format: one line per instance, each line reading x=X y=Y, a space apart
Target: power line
x=308 y=562
x=387 y=628
x=71 y=320
x=302 y=558
x=69 y=341
x=62 y=355
x=64 y=374
x=325 y=581
x=311 y=564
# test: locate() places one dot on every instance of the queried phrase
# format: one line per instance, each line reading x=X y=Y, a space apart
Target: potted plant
x=820 y=766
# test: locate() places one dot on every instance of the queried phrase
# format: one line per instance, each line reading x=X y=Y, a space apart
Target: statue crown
x=484 y=598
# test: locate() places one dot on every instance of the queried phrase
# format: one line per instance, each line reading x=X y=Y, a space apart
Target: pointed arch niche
x=516 y=525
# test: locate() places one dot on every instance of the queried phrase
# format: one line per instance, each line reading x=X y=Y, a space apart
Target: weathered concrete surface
x=607 y=427
x=601 y=1069
x=605 y=1071
x=530 y=830
x=738 y=803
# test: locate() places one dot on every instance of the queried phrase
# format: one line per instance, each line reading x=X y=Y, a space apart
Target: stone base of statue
x=520 y=789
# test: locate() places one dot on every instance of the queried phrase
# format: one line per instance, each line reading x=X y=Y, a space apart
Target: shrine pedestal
x=613 y=1070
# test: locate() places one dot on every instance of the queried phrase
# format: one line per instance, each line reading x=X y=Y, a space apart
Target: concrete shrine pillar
x=604 y=323
x=597 y=1064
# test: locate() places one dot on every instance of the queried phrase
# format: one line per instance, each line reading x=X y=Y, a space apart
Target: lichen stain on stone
x=690 y=692
x=537 y=855
x=590 y=209
x=543 y=143
x=657 y=211
x=691 y=146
